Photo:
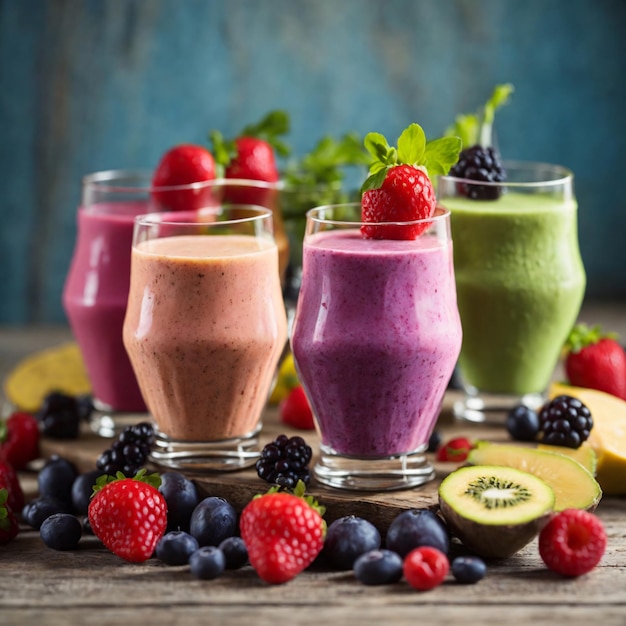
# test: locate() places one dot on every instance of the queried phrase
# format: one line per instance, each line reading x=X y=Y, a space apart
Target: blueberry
x=378 y=567
x=61 y=531
x=522 y=423
x=434 y=441
x=235 y=552
x=175 y=547
x=348 y=538
x=468 y=569
x=56 y=479
x=38 y=510
x=82 y=489
x=417 y=527
x=212 y=521
x=181 y=496
x=207 y=563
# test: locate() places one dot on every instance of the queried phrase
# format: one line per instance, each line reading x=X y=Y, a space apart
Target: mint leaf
x=270 y=128
x=436 y=157
x=441 y=154
x=375 y=181
x=223 y=151
x=465 y=127
x=376 y=144
x=412 y=145
x=499 y=97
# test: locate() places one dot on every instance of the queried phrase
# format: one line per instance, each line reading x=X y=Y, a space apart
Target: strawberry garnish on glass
x=174 y=179
x=595 y=360
x=399 y=187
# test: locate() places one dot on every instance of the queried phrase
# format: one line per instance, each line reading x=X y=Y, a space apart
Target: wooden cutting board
x=239 y=487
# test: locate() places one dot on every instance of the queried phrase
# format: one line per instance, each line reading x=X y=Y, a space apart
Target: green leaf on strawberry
x=582 y=336
x=154 y=479
x=270 y=128
x=433 y=157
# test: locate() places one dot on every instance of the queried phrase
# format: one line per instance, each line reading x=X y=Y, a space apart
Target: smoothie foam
x=520 y=284
x=204 y=330
x=375 y=339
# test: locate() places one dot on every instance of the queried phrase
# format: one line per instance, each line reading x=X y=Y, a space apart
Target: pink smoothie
x=205 y=327
x=95 y=296
x=375 y=339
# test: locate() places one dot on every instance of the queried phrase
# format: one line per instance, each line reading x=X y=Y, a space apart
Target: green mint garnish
x=435 y=157
x=478 y=128
x=325 y=164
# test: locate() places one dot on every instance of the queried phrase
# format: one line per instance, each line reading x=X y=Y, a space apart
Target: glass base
x=402 y=471
x=207 y=456
x=109 y=422
x=493 y=408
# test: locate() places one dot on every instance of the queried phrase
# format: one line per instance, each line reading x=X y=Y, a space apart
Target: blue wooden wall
x=98 y=84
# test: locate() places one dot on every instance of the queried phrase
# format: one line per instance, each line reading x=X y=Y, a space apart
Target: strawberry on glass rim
x=399 y=191
x=181 y=167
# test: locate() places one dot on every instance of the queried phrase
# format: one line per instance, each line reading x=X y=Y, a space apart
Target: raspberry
x=572 y=543
x=425 y=568
x=565 y=421
x=482 y=165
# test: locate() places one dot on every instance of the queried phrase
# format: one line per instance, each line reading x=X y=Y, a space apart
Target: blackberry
x=60 y=416
x=565 y=421
x=482 y=165
x=129 y=452
x=285 y=461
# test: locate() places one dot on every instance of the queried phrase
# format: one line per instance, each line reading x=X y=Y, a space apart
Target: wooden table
x=92 y=586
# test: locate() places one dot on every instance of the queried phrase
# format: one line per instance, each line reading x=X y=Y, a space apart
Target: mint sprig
x=477 y=128
x=434 y=157
x=325 y=164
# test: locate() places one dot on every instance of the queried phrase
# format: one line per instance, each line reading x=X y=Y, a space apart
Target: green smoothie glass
x=520 y=283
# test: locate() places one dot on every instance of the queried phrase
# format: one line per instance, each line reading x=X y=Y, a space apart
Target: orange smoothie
x=205 y=326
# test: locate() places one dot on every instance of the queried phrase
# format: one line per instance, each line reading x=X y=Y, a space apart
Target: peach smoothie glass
x=375 y=339
x=204 y=329
x=96 y=288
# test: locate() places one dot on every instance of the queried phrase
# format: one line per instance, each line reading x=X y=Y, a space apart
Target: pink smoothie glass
x=375 y=339
x=97 y=285
x=205 y=327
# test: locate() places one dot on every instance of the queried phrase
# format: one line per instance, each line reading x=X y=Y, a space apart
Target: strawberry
x=20 y=439
x=595 y=360
x=129 y=515
x=10 y=482
x=9 y=528
x=183 y=165
x=283 y=532
x=295 y=410
x=455 y=450
x=399 y=188
x=252 y=156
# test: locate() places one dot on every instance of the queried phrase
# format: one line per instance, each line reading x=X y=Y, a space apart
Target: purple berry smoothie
x=375 y=339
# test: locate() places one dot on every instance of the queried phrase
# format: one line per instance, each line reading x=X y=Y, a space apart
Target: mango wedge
x=608 y=435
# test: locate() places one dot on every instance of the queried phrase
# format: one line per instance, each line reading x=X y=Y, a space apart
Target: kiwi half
x=574 y=487
x=494 y=510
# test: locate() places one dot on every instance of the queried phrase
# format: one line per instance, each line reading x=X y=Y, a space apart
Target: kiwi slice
x=494 y=510
x=574 y=487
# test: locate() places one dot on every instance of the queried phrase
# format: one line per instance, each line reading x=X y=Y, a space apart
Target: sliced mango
x=60 y=368
x=608 y=435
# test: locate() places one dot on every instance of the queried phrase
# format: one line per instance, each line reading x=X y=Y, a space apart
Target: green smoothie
x=520 y=283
